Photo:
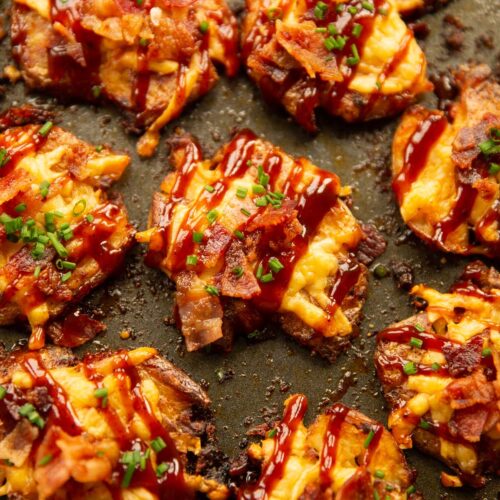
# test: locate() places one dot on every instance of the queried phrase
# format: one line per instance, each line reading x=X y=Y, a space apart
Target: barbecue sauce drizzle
x=273 y=471
x=315 y=92
x=61 y=413
x=312 y=204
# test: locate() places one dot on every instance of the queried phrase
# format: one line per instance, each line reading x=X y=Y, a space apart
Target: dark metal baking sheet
x=263 y=373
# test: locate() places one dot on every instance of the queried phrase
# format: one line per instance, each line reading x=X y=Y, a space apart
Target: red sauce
x=273 y=471
x=417 y=152
x=347 y=276
x=142 y=79
x=336 y=416
x=466 y=196
x=62 y=413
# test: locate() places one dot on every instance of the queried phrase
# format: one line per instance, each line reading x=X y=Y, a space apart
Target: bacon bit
x=469 y=391
x=469 y=423
x=245 y=286
x=200 y=314
x=13 y=183
x=450 y=481
x=465 y=145
x=75 y=329
x=359 y=485
x=307 y=46
x=16 y=445
x=72 y=457
x=371 y=246
x=218 y=240
x=271 y=216
x=463 y=359
x=22 y=115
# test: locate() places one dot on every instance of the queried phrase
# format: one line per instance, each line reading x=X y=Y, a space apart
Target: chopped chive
x=38 y=250
x=45 y=460
x=209 y=188
x=45 y=128
x=158 y=444
x=352 y=10
x=376 y=496
x=65 y=277
x=379 y=473
x=258 y=189
x=369 y=438
x=96 y=91
x=410 y=368
x=44 y=189
x=414 y=342
x=357 y=29
x=191 y=260
x=383 y=11
x=368 y=6
x=36 y=419
x=239 y=234
x=340 y=8
x=212 y=216
x=79 y=207
x=435 y=367
x=320 y=10
x=4 y=157
x=389 y=487
x=204 y=26
x=262 y=201
x=267 y=278
x=241 y=192
x=486 y=352
x=21 y=207
x=320 y=30
x=329 y=43
x=197 y=237
x=99 y=148
x=419 y=327
x=411 y=489
x=57 y=245
x=332 y=29
x=351 y=61
x=89 y=218
x=101 y=392
x=244 y=211
x=238 y=271
x=127 y=478
x=262 y=177
x=494 y=168
x=3 y=392
x=26 y=409
x=275 y=265
x=161 y=469
x=143 y=42
x=272 y=433
x=424 y=424
x=260 y=271
x=378 y=85
x=212 y=290
x=489 y=147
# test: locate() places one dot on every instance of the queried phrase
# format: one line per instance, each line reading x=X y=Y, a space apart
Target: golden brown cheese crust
x=445 y=176
x=357 y=62
x=343 y=455
x=440 y=373
x=255 y=232
x=69 y=427
x=60 y=236
x=151 y=57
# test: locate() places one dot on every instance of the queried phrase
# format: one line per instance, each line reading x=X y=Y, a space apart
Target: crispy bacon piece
x=103 y=425
x=254 y=234
x=452 y=201
x=440 y=373
x=150 y=58
x=357 y=62
x=60 y=235
x=342 y=454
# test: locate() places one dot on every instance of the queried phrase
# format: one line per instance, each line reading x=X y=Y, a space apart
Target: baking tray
x=258 y=376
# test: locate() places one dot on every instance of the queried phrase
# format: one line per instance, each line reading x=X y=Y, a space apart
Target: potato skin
x=97 y=231
x=449 y=376
x=317 y=286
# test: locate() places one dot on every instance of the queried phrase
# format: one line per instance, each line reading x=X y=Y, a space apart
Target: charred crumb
x=445 y=88
x=223 y=374
x=485 y=41
x=402 y=273
x=454 y=32
x=421 y=29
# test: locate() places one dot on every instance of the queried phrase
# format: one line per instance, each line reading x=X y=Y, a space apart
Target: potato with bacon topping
x=343 y=455
x=446 y=168
x=440 y=372
x=357 y=60
x=60 y=235
x=150 y=57
x=252 y=234
x=115 y=425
